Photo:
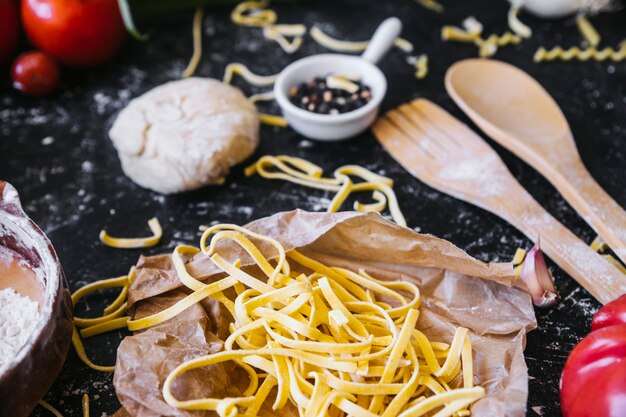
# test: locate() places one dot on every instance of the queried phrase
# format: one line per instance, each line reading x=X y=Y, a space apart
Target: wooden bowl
x=29 y=375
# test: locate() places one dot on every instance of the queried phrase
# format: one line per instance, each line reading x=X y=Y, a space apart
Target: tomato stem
x=127 y=17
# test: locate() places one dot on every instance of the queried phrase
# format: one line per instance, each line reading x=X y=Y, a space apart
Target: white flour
x=18 y=316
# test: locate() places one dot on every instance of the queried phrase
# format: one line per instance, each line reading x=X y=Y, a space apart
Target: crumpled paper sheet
x=457 y=290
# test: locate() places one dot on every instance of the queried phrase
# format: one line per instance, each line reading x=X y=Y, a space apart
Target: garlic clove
x=538 y=279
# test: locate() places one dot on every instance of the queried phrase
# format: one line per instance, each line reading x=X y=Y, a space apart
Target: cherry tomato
x=612 y=313
x=9 y=30
x=76 y=32
x=593 y=383
x=35 y=73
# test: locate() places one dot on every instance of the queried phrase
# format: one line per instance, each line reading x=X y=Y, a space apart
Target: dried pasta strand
x=472 y=33
x=421 y=67
x=341 y=83
x=98 y=285
x=197 y=43
x=335 y=44
x=381 y=203
x=45 y=404
x=134 y=243
x=404 y=45
x=489 y=46
x=290 y=329
x=452 y=33
x=253 y=13
x=82 y=355
x=105 y=327
x=338 y=45
x=291 y=345
x=119 y=300
x=519 y=256
x=598 y=244
x=432 y=5
x=341 y=184
x=516 y=25
x=588 y=32
x=558 y=53
x=57 y=413
x=85 y=403
x=273 y=120
x=615 y=262
x=267 y=96
x=278 y=33
x=88 y=322
x=237 y=68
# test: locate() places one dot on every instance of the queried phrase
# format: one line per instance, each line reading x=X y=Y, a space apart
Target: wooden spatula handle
x=594 y=205
x=589 y=269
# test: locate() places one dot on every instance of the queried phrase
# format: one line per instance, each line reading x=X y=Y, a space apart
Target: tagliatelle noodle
x=378 y=206
x=50 y=408
x=598 y=244
x=237 y=68
x=517 y=261
x=111 y=320
x=588 y=32
x=85 y=403
x=267 y=96
x=134 y=243
x=323 y=339
x=359 y=46
x=516 y=25
x=253 y=13
x=273 y=120
x=278 y=32
x=338 y=45
x=82 y=355
x=404 y=45
x=341 y=183
x=432 y=5
x=615 y=262
x=197 y=44
x=291 y=350
x=57 y=413
x=341 y=83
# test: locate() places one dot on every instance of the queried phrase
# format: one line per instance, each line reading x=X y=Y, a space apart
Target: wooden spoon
x=517 y=112
x=447 y=155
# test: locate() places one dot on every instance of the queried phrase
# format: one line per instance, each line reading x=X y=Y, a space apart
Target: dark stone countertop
x=56 y=152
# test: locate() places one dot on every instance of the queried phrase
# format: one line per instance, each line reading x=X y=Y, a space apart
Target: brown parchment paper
x=457 y=290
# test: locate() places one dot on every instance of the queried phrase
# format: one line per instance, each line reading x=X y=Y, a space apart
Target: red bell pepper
x=593 y=383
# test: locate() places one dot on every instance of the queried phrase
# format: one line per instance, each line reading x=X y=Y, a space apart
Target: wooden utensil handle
x=597 y=275
x=594 y=205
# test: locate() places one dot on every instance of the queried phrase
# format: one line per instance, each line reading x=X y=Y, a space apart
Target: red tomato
x=9 y=30
x=612 y=313
x=76 y=32
x=35 y=73
x=593 y=383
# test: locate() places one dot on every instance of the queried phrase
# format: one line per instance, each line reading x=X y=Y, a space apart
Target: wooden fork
x=447 y=155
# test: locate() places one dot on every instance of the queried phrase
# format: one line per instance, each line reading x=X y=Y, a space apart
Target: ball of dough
x=185 y=134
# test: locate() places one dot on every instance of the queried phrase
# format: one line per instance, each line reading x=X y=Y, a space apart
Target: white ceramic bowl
x=330 y=126
x=333 y=127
